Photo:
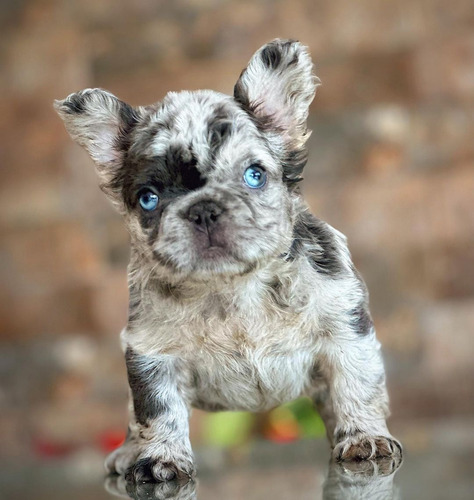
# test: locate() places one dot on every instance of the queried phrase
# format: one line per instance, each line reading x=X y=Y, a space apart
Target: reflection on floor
x=369 y=480
x=438 y=464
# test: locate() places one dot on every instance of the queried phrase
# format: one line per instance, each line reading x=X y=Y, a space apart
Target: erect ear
x=100 y=123
x=277 y=88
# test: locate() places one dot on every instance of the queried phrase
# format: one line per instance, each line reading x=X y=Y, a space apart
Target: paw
x=121 y=459
x=364 y=447
x=140 y=462
x=161 y=467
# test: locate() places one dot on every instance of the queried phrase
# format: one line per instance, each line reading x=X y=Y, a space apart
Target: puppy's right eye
x=148 y=200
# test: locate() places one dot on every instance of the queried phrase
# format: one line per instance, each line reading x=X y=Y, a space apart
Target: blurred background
x=391 y=165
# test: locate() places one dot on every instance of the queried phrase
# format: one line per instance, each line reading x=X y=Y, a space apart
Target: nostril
x=204 y=213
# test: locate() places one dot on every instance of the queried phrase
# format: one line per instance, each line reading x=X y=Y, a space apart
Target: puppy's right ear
x=101 y=124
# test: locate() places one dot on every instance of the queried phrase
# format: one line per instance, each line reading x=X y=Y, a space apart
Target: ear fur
x=100 y=123
x=276 y=88
x=278 y=85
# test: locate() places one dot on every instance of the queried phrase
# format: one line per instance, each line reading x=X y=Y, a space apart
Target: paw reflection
x=367 y=479
x=355 y=480
x=170 y=490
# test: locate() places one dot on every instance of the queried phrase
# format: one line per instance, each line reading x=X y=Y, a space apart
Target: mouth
x=207 y=252
x=205 y=259
x=213 y=252
x=210 y=245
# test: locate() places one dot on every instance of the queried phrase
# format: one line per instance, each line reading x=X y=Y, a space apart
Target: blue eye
x=148 y=200
x=255 y=177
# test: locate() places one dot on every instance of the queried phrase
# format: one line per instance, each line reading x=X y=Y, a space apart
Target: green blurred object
x=310 y=422
x=228 y=428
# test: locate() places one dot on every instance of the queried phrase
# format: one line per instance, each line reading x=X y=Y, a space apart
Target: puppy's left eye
x=148 y=200
x=255 y=177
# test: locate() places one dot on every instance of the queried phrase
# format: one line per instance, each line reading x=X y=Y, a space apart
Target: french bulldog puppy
x=240 y=298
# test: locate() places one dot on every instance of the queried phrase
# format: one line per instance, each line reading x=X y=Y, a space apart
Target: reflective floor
x=438 y=464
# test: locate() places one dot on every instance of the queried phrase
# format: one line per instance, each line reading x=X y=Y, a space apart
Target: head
x=206 y=182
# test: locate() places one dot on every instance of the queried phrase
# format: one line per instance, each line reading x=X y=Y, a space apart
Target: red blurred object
x=50 y=449
x=111 y=440
x=282 y=432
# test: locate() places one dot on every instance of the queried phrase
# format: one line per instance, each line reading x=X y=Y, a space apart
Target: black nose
x=204 y=214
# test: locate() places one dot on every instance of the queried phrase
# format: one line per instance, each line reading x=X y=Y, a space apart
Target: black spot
x=271 y=56
x=189 y=176
x=276 y=53
x=275 y=289
x=293 y=164
x=128 y=121
x=220 y=125
x=171 y=175
x=341 y=435
x=75 y=105
x=316 y=372
x=361 y=319
x=167 y=290
x=144 y=376
x=313 y=239
x=140 y=471
x=196 y=379
x=240 y=94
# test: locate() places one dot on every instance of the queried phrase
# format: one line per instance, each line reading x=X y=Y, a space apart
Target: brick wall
x=391 y=165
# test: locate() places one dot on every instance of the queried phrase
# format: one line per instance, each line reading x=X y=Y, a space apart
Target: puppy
x=240 y=299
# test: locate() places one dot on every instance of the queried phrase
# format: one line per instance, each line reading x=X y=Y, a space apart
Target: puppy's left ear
x=277 y=87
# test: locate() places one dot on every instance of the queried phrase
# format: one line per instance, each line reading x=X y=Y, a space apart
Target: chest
x=215 y=327
x=236 y=358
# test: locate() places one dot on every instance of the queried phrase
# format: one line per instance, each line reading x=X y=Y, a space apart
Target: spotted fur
x=240 y=299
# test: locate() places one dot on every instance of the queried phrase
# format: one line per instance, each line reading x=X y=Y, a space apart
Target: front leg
x=157 y=447
x=357 y=401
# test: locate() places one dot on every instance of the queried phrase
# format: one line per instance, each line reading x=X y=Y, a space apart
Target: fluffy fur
x=240 y=299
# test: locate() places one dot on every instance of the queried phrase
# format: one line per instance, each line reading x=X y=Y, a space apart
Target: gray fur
x=240 y=293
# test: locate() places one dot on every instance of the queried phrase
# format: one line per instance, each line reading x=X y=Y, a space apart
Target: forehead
x=202 y=125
